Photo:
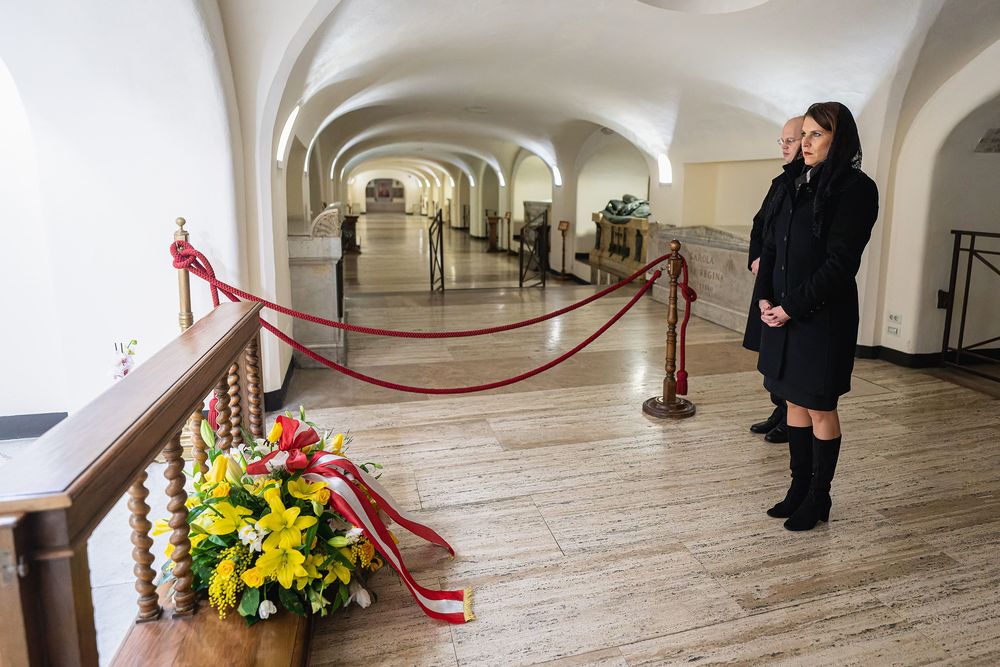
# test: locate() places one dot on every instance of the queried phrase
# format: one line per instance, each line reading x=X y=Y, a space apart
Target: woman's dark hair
x=843 y=161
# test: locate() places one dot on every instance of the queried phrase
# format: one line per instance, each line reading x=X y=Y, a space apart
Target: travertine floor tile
x=843 y=629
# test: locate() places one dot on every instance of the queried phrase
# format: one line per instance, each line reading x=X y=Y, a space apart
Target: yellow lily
x=217 y=473
x=306 y=490
x=223 y=518
x=284 y=523
x=337 y=571
x=285 y=564
x=312 y=572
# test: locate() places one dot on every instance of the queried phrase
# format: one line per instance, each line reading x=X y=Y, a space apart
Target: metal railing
x=435 y=235
x=964 y=355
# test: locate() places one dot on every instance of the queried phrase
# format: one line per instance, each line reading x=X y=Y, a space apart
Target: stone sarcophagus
x=620 y=248
x=717 y=263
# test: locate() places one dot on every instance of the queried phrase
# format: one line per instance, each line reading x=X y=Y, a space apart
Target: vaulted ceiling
x=700 y=79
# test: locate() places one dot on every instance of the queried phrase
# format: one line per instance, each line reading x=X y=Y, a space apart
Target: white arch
x=908 y=283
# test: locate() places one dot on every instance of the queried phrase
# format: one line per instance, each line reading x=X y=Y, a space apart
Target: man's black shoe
x=777 y=434
x=770 y=423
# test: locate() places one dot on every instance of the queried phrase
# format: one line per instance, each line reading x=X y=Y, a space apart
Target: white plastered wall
x=98 y=82
x=30 y=349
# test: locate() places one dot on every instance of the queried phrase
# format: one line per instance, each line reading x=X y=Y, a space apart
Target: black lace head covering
x=843 y=162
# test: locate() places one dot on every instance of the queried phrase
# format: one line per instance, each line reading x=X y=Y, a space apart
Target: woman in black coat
x=808 y=300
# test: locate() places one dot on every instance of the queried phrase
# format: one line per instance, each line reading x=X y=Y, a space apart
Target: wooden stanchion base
x=681 y=408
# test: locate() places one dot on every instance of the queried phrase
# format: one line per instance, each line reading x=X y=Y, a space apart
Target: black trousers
x=779 y=402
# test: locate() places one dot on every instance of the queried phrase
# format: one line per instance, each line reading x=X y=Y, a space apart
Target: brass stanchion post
x=670 y=405
x=185 y=316
x=193 y=445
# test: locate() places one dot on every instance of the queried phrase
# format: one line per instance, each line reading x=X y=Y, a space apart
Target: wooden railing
x=55 y=492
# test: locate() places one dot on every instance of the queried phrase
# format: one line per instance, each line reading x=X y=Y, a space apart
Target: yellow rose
x=221 y=490
x=226 y=568
x=252 y=578
x=323 y=496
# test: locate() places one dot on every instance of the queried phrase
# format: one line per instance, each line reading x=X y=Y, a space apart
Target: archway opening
x=964 y=196
x=616 y=168
x=385 y=195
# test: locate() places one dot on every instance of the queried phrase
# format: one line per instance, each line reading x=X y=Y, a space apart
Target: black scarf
x=841 y=167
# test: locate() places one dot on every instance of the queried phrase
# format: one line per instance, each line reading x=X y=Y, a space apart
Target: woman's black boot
x=800 y=453
x=816 y=506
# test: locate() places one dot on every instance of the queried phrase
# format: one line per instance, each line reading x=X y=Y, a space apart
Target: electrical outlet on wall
x=893 y=331
x=895 y=318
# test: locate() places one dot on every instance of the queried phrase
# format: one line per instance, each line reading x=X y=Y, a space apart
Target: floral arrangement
x=264 y=532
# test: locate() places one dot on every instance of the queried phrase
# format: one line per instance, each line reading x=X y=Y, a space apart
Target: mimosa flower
x=284 y=523
x=283 y=563
x=364 y=550
x=223 y=518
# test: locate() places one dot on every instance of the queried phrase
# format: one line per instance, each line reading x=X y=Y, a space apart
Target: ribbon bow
x=291 y=441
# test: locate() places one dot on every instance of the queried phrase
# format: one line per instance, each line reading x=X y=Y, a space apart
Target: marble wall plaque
x=717 y=263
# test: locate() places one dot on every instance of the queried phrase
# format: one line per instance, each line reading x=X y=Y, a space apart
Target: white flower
x=266 y=609
x=277 y=462
x=359 y=595
x=354 y=534
x=251 y=538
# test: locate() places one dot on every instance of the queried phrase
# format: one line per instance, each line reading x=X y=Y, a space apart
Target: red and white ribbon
x=453 y=606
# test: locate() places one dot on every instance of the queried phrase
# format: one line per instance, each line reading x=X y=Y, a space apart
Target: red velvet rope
x=187 y=257
x=690 y=296
x=454 y=390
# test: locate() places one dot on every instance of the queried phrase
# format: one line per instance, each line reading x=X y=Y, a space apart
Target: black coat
x=751 y=336
x=813 y=279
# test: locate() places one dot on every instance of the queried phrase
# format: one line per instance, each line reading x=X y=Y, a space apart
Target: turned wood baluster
x=198 y=448
x=235 y=416
x=254 y=396
x=149 y=607
x=223 y=438
x=184 y=596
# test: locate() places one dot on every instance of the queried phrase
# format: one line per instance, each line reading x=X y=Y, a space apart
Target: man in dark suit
x=774 y=427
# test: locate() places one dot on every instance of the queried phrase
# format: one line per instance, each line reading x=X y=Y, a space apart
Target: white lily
x=359 y=594
x=353 y=535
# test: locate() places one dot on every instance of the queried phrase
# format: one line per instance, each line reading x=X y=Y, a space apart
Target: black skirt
x=799 y=397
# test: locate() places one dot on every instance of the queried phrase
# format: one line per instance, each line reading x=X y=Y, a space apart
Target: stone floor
x=593 y=535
